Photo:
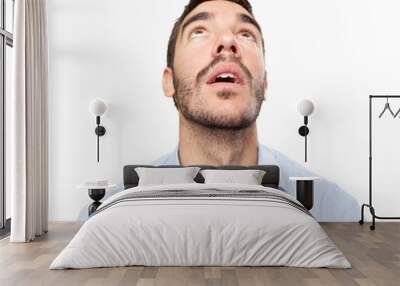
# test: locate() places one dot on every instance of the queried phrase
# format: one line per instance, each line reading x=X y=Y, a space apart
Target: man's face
x=218 y=73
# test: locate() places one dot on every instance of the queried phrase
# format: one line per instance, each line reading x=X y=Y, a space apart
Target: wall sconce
x=97 y=107
x=305 y=108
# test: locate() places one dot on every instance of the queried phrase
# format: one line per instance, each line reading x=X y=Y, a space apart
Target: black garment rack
x=369 y=205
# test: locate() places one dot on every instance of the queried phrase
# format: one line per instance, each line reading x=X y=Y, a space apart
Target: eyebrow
x=249 y=20
x=202 y=16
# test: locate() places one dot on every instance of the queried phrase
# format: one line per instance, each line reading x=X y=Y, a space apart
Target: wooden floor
x=374 y=255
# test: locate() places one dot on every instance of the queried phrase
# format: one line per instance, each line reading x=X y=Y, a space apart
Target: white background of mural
x=335 y=53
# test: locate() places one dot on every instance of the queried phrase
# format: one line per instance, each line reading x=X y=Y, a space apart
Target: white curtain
x=28 y=121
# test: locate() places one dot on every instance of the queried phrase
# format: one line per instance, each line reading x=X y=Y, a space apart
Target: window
x=6 y=44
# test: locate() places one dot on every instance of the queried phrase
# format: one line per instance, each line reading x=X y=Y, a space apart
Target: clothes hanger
x=397 y=113
x=387 y=107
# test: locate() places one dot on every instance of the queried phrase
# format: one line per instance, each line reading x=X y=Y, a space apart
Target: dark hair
x=189 y=8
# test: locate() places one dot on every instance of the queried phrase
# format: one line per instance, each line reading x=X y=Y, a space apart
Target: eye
x=197 y=32
x=247 y=35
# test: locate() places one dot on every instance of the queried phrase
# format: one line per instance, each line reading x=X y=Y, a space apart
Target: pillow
x=162 y=176
x=249 y=177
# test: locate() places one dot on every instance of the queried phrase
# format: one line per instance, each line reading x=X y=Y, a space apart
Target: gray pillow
x=249 y=177
x=162 y=176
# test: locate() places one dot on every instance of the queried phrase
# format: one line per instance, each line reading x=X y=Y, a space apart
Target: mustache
x=220 y=59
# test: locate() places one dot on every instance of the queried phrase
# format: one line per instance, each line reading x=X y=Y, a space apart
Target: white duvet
x=203 y=231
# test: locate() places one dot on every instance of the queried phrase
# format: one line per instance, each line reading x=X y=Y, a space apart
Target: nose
x=226 y=44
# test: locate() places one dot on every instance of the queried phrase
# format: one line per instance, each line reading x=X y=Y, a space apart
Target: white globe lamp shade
x=97 y=107
x=305 y=107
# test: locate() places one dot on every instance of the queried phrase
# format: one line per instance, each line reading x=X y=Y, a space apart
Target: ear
x=168 y=83
x=265 y=85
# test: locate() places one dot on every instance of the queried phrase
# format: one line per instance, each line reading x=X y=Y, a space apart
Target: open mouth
x=226 y=75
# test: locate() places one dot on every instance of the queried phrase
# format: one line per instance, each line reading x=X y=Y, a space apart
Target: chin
x=222 y=118
x=231 y=107
x=230 y=118
x=234 y=124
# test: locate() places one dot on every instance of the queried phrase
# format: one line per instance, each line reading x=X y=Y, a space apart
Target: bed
x=201 y=224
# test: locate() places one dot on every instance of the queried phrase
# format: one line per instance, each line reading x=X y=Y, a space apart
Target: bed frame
x=270 y=179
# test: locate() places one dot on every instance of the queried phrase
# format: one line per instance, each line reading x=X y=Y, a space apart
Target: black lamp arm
x=304 y=131
x=100 y=131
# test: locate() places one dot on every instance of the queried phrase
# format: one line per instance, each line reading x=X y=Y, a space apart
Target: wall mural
x=215 y=74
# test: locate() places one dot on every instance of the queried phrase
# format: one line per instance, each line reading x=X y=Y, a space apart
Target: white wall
x=335 y=53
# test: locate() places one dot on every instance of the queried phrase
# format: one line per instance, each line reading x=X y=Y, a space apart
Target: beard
x=189 y=102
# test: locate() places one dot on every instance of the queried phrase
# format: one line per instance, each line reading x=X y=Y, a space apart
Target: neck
x=199 y=145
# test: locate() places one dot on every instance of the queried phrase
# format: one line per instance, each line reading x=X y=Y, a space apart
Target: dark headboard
x=271 y=177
